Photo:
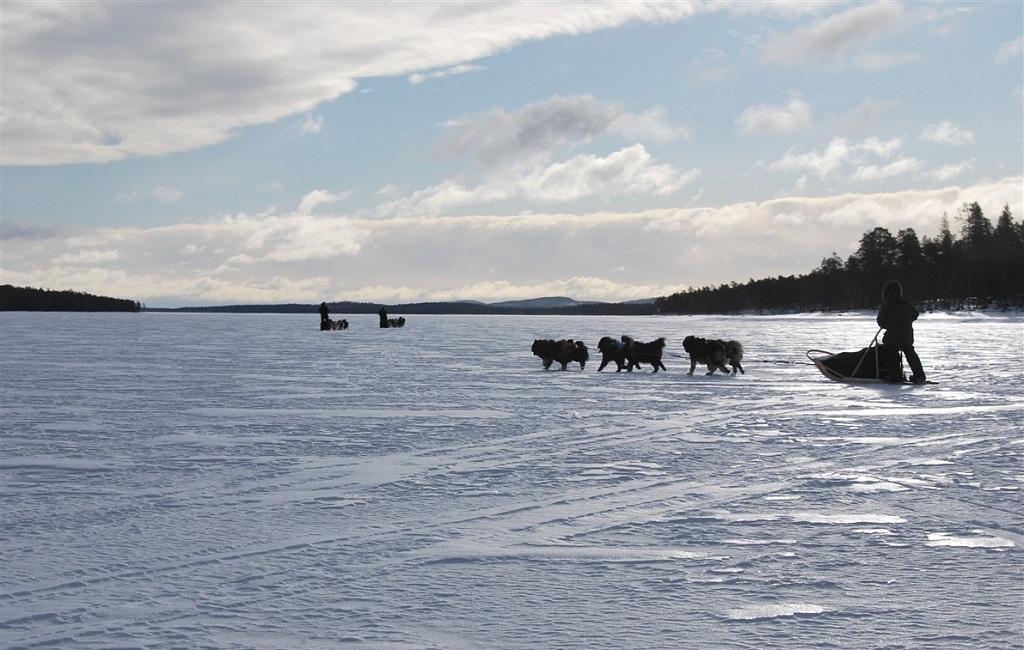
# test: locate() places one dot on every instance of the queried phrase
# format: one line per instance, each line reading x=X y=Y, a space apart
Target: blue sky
x=209 y=153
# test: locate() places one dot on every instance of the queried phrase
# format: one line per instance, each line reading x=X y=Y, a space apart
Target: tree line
x=27 y=299
x=982 y=267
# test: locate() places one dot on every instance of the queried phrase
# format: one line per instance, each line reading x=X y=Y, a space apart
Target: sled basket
x=866 y=365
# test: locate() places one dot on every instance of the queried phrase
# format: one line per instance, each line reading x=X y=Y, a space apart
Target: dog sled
x=864 y=366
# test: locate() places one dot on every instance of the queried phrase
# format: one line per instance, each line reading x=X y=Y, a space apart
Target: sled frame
x=873 y=348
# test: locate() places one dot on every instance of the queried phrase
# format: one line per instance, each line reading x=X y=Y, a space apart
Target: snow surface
x=248 y=481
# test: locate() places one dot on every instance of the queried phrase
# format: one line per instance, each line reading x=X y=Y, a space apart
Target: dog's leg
x=693 y=365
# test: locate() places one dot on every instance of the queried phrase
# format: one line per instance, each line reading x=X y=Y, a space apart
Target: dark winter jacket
x=896 y=316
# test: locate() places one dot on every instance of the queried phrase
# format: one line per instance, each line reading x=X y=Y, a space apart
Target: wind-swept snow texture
x=248 y=481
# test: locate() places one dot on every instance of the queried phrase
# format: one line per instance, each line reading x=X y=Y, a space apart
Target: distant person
x=325 y=314
x=896 y=316
x=383 y=317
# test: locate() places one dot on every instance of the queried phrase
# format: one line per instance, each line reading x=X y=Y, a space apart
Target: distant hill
x=552 y=302
x=548 y=305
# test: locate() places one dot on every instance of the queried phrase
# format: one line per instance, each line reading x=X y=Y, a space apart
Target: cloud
x=316 y=198
x=770 y=119
x=708 y=67
x=630 y=170
x=947 y=173
x=420 y=77
x=285 y=257
x=311 y=124
x=270 y=187
x=901 y=167
x=87 y=258
x=840 y=154
x=126 y=80
x=876 y=62
x=868 y=114
x=834 y=39
x=946 y=132
x=290 y=238
x=1009 y=51
x=819 y=163
x=497 y=137
x=652 y=125
x=159 y=194
x=516 y=158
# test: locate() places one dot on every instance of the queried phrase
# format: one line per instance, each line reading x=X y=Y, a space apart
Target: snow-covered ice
x=248 y=481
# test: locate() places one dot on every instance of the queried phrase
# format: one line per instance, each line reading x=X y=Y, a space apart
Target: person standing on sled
x=896 y=316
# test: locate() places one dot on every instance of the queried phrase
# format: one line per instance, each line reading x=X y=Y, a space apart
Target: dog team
x=627 y=353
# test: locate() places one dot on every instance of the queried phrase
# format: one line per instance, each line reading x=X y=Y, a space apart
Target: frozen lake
x=248 y=481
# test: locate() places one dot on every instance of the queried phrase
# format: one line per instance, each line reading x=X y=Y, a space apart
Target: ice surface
x=248 y=481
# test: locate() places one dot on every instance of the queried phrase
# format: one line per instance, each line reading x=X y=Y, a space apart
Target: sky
x=204 y=153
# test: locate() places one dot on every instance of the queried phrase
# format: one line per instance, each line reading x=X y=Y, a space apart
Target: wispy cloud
x=183 y=76
x=876 y=62
x=159 y=194
x=843 y=156
x=836 y=39
x=709 y=66
x=1010 y=50
x=316 y=198
x=630 y=170
x=946 y=132
x=771 y=119
x=311 y=124
x=947 y=173
x=497 y=137
x=418 y=78
x=869 y=113
x=528 y=155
